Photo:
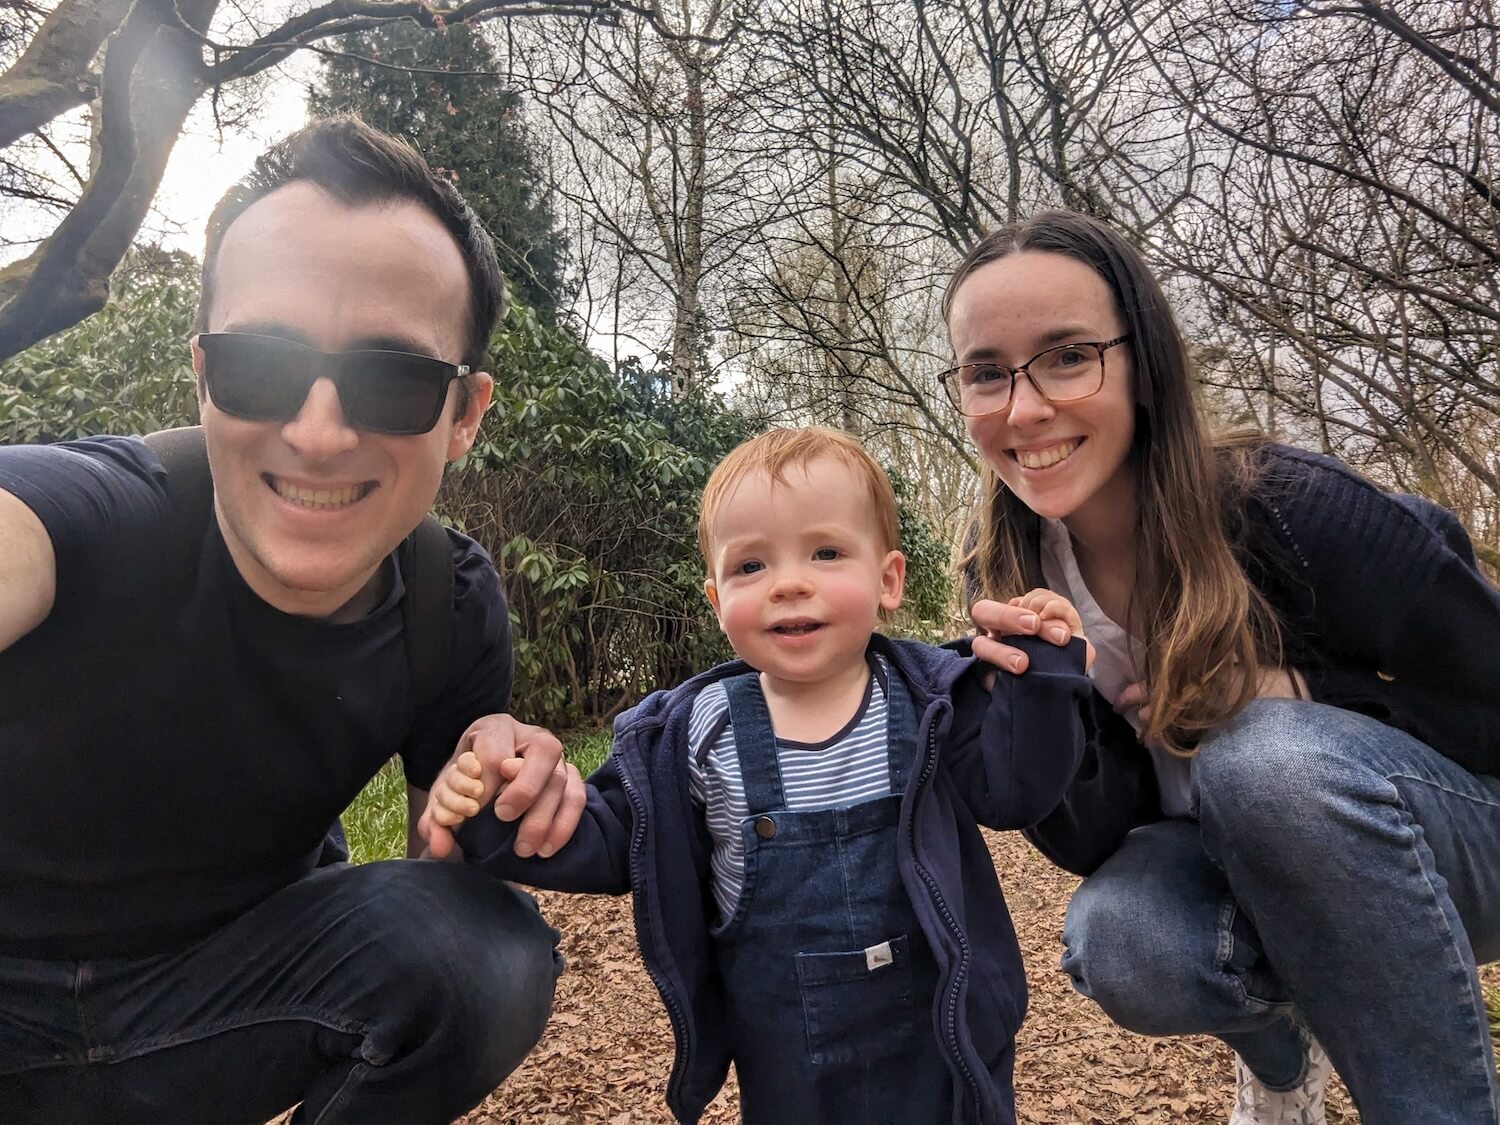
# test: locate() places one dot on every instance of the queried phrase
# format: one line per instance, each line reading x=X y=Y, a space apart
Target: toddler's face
x=799 y=572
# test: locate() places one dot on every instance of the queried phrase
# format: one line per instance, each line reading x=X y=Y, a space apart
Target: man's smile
x=325 y=497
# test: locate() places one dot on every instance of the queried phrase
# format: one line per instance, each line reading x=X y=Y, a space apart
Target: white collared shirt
x=1114 y=668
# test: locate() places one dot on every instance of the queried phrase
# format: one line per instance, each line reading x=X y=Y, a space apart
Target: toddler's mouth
x=797 y=628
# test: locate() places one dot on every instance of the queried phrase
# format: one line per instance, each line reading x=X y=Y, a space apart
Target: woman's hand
x=1037 y=613
x=1275 y=683
x=1281 y=683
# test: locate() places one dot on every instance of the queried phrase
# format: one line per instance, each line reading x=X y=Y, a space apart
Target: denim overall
x=830 y=981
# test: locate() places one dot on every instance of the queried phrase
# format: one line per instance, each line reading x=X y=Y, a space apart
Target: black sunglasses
x=266 y=379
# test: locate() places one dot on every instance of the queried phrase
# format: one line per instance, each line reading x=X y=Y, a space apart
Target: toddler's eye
x=826 y=554
x=749 y=566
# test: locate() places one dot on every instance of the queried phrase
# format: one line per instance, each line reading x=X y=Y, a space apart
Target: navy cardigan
x=1002 y=759
x=1382 y=608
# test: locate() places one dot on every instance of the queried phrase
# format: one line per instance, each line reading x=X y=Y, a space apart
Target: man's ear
x=197 y=354
x=466 y=427
x=892 y=581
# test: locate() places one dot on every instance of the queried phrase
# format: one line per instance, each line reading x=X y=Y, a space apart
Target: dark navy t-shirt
x=172 y=748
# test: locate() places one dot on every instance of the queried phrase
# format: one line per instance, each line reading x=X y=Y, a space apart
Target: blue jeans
x=399 y=992
x=1340 y=872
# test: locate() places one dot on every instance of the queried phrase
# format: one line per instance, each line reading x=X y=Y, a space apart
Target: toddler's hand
x=460 y=791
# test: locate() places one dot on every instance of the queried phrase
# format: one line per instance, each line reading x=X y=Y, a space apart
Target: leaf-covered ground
x=606 y=1054
x=607 y=1051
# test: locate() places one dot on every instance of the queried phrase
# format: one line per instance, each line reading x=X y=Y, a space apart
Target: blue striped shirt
x=850 y=767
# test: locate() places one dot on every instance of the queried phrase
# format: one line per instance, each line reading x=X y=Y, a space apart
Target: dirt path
x=607 y=1052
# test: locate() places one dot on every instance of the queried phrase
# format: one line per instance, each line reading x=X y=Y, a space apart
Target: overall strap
x=754 y=743
x=902 y=750
x=426 y=558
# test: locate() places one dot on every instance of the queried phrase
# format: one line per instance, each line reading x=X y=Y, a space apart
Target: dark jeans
x=400 y=992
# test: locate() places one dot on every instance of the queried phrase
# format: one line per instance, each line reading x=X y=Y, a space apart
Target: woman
x=1307 y=851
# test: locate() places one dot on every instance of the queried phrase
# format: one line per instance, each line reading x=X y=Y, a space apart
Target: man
x=182 y=718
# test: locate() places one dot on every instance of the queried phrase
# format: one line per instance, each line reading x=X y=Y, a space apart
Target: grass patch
x=375 y=824
x=587 y=749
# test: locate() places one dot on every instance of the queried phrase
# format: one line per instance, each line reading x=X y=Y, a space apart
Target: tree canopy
x=445 y=92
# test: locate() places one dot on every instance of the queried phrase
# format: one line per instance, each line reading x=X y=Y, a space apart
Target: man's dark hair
x=359 y=165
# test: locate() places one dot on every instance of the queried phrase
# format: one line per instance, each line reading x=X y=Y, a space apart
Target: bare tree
x=649 y=116
x=1346 y=246
x=915 y=127
x=141 y=65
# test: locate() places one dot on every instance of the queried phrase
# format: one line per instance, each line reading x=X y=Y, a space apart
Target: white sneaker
x=1254 y=1104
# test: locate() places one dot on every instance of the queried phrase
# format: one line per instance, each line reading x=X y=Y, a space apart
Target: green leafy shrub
x=584 y=486
x=124 y=370
x=929 y=582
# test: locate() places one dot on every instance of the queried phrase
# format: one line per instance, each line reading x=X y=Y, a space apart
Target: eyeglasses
x=1065 y=373
x=266 y=379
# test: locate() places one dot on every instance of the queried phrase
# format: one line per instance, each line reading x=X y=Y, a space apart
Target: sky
x=207 y=161
x=203 y=165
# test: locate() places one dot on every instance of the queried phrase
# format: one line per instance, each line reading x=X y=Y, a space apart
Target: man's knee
x=467 y=958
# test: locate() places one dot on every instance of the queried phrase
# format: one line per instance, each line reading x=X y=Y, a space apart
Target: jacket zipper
x=950 y=1025
x=637 y=887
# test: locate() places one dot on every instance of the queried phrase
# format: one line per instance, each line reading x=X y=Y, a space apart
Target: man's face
x=310 y=507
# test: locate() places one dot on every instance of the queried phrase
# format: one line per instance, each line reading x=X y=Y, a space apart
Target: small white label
x=878 y=956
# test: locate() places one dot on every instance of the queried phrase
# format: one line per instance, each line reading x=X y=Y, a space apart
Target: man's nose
x=320 y=431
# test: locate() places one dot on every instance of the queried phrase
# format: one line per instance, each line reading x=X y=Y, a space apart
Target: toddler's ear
x=892 y=581
x=711 y=592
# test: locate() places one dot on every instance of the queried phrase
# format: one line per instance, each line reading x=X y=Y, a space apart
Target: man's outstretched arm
x=28 y=571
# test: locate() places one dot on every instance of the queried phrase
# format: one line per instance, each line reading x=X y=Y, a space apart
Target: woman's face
x=1062 y=460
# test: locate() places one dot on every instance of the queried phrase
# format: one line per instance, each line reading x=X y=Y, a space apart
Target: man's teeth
x=1042 y=458
x=320 y=497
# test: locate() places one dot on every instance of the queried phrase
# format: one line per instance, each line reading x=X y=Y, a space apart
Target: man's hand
x=524 y=765
x=1037 y=613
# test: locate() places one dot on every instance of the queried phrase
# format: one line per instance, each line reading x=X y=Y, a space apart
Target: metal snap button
x=765 y=827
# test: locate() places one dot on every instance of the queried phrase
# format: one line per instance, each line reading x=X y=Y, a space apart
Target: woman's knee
x=1277 y=768
x=1133 y=959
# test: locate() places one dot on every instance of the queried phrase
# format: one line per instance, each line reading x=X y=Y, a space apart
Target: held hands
x=521 y=764
x=1039 y=613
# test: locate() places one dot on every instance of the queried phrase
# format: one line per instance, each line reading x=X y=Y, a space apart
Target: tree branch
x=52 y=75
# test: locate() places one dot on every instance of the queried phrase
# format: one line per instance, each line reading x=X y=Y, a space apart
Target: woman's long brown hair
x=1206 y=631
